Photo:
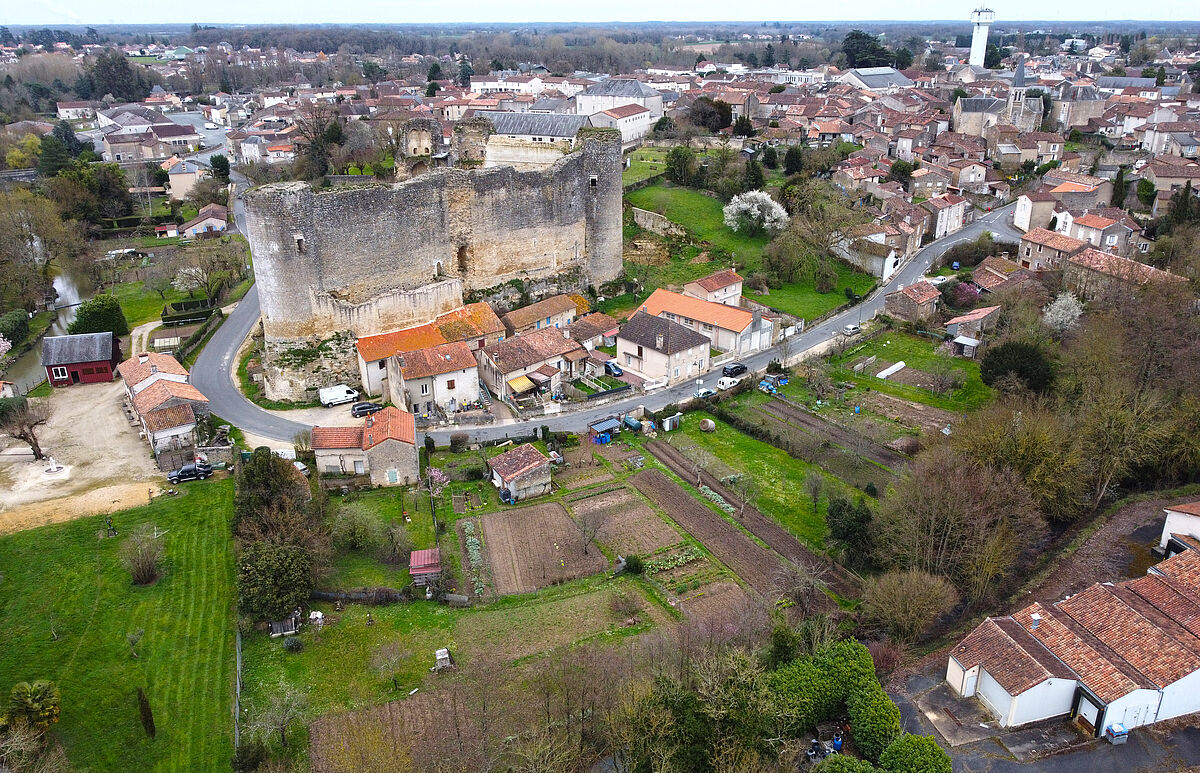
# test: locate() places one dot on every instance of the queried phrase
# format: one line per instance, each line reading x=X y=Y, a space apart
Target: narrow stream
x=72 y=285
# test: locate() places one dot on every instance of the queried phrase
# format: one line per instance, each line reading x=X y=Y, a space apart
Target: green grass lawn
x=357 y=570
x=803 y=300
x=780 y=477
x=644 y=163
x=61 y=577
x=702 y=216
x=916 y=352
x=141 y=305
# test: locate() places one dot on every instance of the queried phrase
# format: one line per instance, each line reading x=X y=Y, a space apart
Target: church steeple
x=1016 y=94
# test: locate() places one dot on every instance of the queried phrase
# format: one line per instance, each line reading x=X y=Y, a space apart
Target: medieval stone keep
x=359 y=260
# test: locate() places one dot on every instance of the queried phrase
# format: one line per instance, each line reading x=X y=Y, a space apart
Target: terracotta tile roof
x=625 y=111
x=447 y=358
x=1056 y=632
x=389 y=424
x=589 y=326
x=1145 y=646
x=973 y=315
x=719 y=280
x=1191 y=508
x=336 y=437
x=518 y=461
x=1094 y=221
x=718 y=314
x=1006 y=661
x=161 y=391
x=922 y=292
x=170 y=418
x=548 y=307
x=530 y=348
x=134 y=371
x=1122 y=268
x=1054 y=240
x=474 y=320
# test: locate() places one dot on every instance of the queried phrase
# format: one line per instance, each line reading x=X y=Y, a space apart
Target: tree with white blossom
x=754 y=212
x=1062 y=313
x=5 y=346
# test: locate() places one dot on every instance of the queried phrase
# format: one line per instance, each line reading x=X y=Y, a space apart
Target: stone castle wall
x=374 y=258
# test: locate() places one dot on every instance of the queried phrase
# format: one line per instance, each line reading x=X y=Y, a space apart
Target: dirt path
x=778 y=538
x=106 y=465
x=847 y=439
x=1118 y=550
x=107 y=499
x=139 y=337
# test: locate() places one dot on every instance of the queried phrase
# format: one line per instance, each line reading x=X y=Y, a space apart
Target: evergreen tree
x=754 y=176
x=793 y=160
x=66 y=135
x=54 y=156
x=100 y=315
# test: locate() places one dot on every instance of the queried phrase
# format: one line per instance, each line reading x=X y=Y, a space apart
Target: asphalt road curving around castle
x=213 y=372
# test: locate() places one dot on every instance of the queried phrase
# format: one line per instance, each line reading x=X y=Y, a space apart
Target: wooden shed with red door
x=87 y=358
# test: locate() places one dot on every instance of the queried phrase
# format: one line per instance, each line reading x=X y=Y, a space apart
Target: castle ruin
x=351 y=261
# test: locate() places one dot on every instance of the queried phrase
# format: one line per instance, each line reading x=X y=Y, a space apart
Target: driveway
x=212 y=373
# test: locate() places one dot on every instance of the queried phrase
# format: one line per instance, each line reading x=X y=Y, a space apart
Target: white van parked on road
x=727 y=382
x=337 y=394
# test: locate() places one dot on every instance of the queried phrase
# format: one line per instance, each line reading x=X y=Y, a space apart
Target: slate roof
x=981 y=104
x=645 y=330
x=522 y=459
x=1123 y=82
x=880 y=77
x=85 y=347
x=536 y=124
x=620 y=87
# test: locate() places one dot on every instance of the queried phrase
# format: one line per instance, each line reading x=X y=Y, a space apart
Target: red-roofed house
x=730 y=329
x=633 y=121
x=722 y=287
x=384 y=447
x=1042 y=249
x=522 y=473
x=914 y=303
x=442 y=378
x=1126 y=653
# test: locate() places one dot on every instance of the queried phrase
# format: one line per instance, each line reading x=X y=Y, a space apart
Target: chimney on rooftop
x=1035 y=619
x=566 y=334
x=143 y=357
x=658 y=341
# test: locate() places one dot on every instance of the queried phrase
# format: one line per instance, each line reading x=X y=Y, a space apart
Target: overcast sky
x=50 y=12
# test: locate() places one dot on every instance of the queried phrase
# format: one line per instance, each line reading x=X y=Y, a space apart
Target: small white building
x=1181 y=528
x=1116 y=653
x=722 y=287
x=633 y=121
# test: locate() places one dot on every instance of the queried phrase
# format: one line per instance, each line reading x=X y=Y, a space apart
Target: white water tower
x=982 y=18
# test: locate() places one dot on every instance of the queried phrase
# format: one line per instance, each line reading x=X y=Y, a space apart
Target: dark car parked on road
x=197 y=471
x=364 y=409
x=733 y=369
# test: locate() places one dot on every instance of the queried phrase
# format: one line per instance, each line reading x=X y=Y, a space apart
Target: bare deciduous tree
x=905 y=603
x=282 y=706
x=590 y=522
x=142 y=554
x=800 y=585
x=814 y=484
x=22 y=422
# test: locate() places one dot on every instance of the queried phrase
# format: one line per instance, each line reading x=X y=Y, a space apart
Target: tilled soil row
x=752 y=563
x=778 y=538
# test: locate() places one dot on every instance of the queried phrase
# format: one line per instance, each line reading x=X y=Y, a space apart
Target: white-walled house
x=633 y=121
x=721 y=287
x=146 y=368
x=660 y=349
x=729 y=328
x=1126 y=653
x=1181 y=528
x=442 y=377
x=616 y=92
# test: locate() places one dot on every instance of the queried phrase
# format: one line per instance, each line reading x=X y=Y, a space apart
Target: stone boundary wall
x=659 y=224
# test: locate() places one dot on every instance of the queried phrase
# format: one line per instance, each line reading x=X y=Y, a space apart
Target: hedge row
x=816 y=689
